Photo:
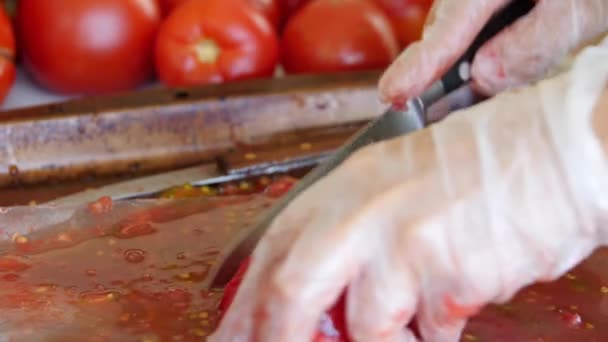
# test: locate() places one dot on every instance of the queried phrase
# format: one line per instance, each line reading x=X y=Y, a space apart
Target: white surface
x=25 y=93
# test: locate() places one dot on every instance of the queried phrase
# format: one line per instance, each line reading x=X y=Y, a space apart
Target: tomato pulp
x=88 y=46
x=331 y=36
x=212 y=41
x=143 y=281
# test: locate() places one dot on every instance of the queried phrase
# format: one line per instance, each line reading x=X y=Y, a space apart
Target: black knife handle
x=459 y=73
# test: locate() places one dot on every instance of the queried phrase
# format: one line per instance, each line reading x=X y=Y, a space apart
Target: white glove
x=523 y=53
x=436 y=224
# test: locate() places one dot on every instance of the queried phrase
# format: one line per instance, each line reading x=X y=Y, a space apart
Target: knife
x=391 y=124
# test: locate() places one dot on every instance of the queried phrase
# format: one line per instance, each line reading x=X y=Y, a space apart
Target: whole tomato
x=88 y=46
x=167 y=6
x=212 y=41
x=408 y=18
x=7 y=54
x=290 y=7
x=270 y=8
x=338 y=35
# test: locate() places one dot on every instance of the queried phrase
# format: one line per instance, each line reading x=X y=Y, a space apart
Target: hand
x=521 y=54
x=434 y=225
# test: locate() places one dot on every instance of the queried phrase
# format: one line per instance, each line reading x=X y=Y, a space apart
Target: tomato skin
x=270 y=8
x=408 y=18
x=88 y=46
x=167 y=6
x=290 y=7
x=8 y=72
x=331 y=36
x=213 y=41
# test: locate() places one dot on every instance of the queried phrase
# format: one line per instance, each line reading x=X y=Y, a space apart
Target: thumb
x=526 y=51
x=452 y=27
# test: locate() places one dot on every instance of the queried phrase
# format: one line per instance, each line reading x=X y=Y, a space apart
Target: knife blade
x=391 y=124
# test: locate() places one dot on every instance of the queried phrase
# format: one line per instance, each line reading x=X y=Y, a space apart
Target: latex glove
x=521 y=54
x=434 y=225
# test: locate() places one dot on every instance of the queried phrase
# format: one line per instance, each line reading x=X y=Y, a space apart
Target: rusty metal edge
x=162 y=129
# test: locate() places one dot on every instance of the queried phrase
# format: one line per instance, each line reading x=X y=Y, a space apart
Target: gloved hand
x=434 y=225
x=521 y=54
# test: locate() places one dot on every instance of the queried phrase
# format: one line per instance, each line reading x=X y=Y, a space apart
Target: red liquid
x=145 y=284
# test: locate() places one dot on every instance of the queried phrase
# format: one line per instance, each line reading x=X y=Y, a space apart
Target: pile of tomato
x=82 y=47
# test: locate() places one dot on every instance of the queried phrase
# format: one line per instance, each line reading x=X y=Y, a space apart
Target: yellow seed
x=573 y=307
x=111 y=242
x=41 y=289
x=149 y=339
x=604 y=289
x=18 y=238
x=207 y=190
x=470 y=337
x=203 y=314
x=184 y=276
x=100 y=253
x=570 y=276
x=250 y=156
x=187 y=186
x=589 y=326
x=551 y=308
x=125 y=317
x=111 y=296
x=305 y=146
x=244 y=186
x=193 y=316
x=199 y=332
x=33 y=203
x=205 y=323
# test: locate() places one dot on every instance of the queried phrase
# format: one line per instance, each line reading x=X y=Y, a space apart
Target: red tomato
x=290 y=7
x=330 y=35
x=211 y=41
x=167 y=6
x=270 y=8
x=88 y=46
x=408 y=18
x=7 y=54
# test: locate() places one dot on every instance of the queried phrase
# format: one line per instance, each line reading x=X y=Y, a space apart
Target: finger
x=441 y=332
x=308 y=281
x=452 y=27
x=527 y=50
x=240 y=320
x=380 y=303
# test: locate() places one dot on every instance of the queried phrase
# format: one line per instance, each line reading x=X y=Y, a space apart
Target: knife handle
x=459 y=73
